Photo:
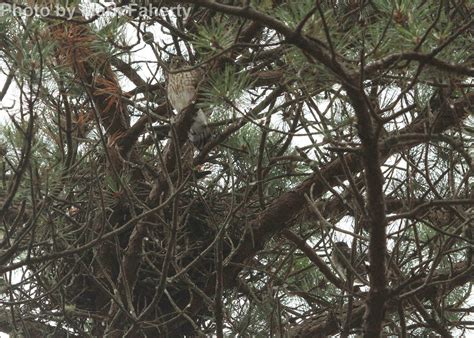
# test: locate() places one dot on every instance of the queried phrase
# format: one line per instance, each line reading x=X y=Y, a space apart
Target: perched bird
x=341 y=258
x=182 y=90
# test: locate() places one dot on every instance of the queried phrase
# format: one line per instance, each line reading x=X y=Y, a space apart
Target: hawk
x=182 y=90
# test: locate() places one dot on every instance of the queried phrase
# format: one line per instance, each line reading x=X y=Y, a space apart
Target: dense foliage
x=332 y=121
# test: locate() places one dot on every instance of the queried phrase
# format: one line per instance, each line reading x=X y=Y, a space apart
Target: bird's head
x=177 y=62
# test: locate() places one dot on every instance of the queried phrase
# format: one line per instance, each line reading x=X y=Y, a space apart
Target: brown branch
x=388 y=61
x=282 y=212
x=30 y=327
x=313 y=257
x=128 y=71
x=327 y=324
x=371 y=160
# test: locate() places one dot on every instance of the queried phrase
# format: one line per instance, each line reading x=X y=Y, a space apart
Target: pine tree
x=332 y=121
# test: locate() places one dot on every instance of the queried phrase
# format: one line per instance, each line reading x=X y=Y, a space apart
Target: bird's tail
x=199 y=133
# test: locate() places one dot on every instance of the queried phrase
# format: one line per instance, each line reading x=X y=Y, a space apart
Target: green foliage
x=113 y=29
x=225 y=87
x=43 y=160
x=78 y=187
x=215 y=37
x=293 y=12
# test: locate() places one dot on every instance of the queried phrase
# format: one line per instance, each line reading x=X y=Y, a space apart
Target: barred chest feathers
x=182 y=91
